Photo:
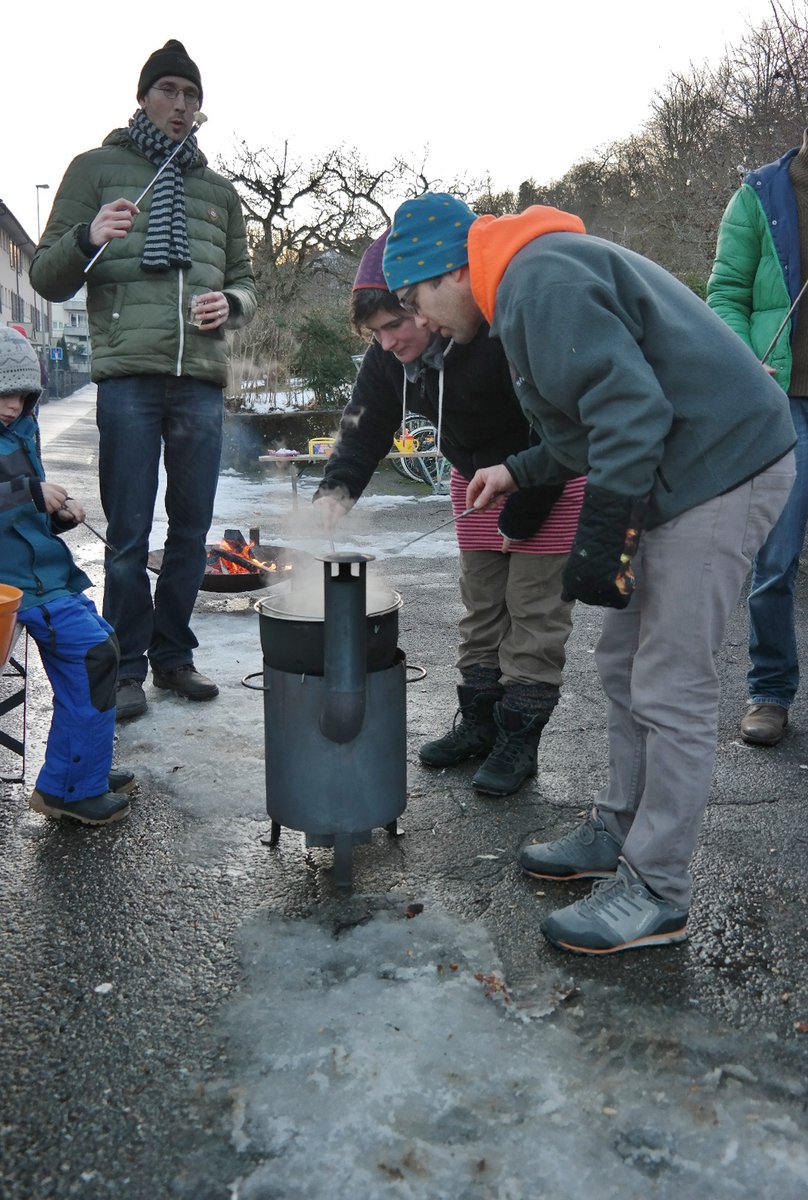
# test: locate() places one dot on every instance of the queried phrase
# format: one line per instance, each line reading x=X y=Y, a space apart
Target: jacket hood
x=493 y=241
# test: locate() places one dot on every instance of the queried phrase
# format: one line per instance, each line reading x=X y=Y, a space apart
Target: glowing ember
x=228 y=557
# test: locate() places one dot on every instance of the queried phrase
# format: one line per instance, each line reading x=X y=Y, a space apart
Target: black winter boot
x=473 y=732
x=513 y=758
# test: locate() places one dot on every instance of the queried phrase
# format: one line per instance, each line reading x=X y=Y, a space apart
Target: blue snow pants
x=80 y=655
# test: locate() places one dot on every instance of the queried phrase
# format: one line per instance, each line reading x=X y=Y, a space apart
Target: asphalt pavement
x=191 y=1011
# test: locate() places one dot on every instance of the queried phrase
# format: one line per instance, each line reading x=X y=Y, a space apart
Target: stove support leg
x=274 y=832
x=343 y=860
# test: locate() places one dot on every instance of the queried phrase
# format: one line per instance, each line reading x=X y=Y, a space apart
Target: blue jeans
x=775 y=673
x=137 y=415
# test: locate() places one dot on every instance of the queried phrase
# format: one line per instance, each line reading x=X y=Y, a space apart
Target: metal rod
x=196 y=125
x=785 y=321
x=100 y=536
x=466 y=513
x=87 y=525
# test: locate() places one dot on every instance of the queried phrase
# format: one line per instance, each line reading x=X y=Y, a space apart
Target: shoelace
x=506 y=750
x=456 y=732
x=612 y=896
x=583 y=835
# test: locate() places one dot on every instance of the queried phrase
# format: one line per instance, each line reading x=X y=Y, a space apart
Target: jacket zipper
x=180 y=317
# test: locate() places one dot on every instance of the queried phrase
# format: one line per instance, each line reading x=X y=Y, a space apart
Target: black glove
x=525 y=511
x=599 y=567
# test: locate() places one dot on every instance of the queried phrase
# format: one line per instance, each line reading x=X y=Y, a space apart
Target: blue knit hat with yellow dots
x=429 y=237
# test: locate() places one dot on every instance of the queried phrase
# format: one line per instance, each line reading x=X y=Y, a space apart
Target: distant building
x=19 y=303
x=70 y=322
x=45 y=323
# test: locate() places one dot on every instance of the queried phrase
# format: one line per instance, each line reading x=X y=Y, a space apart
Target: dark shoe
x=94 y=810
x=130 y=700
x=764 y=724
x=185 y=681
x=472 y=735
x=513 y=758
x=586 y=852
x=121 y=782
x=620 y=914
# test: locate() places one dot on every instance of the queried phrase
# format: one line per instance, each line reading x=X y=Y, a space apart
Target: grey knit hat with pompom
x=19 y=368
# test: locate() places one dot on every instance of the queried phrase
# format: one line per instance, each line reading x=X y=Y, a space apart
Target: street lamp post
x=41 y=187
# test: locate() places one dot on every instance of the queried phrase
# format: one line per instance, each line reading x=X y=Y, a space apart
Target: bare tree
x=662 y=191
x=308 y=225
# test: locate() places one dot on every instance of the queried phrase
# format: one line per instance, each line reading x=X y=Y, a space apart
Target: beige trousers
x=515 y=619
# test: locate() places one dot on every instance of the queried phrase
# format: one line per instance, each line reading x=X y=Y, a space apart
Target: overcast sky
x=516 y=91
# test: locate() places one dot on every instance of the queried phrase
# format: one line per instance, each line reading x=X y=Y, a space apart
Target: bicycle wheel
x=428 y=469
x=399 y=463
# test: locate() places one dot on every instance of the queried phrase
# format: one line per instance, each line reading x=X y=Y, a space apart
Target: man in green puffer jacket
x=760 y=266
x=175 y=272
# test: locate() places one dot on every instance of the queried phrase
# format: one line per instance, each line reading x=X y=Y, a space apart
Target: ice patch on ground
x=384 y=1055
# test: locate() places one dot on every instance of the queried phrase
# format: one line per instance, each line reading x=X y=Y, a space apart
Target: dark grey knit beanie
x=171 y=59
x=19 y=368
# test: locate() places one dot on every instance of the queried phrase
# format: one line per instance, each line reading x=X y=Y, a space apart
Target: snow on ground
x=269 y=504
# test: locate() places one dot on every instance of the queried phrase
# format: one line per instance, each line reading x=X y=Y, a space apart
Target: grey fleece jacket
x=628 y=377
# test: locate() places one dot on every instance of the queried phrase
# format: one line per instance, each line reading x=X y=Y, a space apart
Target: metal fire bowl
x=244 y=581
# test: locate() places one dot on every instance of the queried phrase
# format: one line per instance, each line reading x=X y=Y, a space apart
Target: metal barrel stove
x=334 y=712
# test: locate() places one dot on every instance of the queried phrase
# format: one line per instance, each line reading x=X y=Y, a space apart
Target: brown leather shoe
x=764 y=724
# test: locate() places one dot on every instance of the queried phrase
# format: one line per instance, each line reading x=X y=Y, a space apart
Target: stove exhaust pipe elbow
x=342 y=715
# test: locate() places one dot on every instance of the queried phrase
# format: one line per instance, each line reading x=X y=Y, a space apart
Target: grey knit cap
x=19 y=368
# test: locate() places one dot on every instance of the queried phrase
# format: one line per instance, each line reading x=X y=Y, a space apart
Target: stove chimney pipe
x=344 y=646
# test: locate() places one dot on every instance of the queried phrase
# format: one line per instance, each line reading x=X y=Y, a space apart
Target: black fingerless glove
x=525 y=511
x=598 y=570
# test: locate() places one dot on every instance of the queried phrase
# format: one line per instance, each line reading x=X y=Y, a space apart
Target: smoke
x=330 y=508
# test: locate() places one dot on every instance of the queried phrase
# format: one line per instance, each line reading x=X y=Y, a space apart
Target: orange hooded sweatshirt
x=493 y=241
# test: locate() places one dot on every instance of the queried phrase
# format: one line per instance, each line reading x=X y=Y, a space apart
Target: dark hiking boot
x=93 y=810
x=472 y=735
x=130 y=699
x=185 y=681
x=121 y=782
x=513 y=758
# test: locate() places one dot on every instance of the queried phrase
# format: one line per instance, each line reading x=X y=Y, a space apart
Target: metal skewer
x=196 y=125
x=81 y=521
x=785 y=322
x=466 y=513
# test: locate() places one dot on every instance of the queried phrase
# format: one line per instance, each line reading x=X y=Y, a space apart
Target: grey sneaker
x=620 y=914
x=587 y=852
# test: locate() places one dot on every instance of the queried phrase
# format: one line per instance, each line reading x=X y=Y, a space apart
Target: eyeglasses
x=189 y=95
x=408 y=301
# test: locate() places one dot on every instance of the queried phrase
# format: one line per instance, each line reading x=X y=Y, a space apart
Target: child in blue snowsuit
x=79 y=649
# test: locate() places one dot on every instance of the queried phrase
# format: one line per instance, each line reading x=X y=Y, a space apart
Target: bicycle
x=420 y=440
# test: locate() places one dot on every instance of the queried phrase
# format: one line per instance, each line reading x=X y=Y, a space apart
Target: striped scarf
x=167 y=235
